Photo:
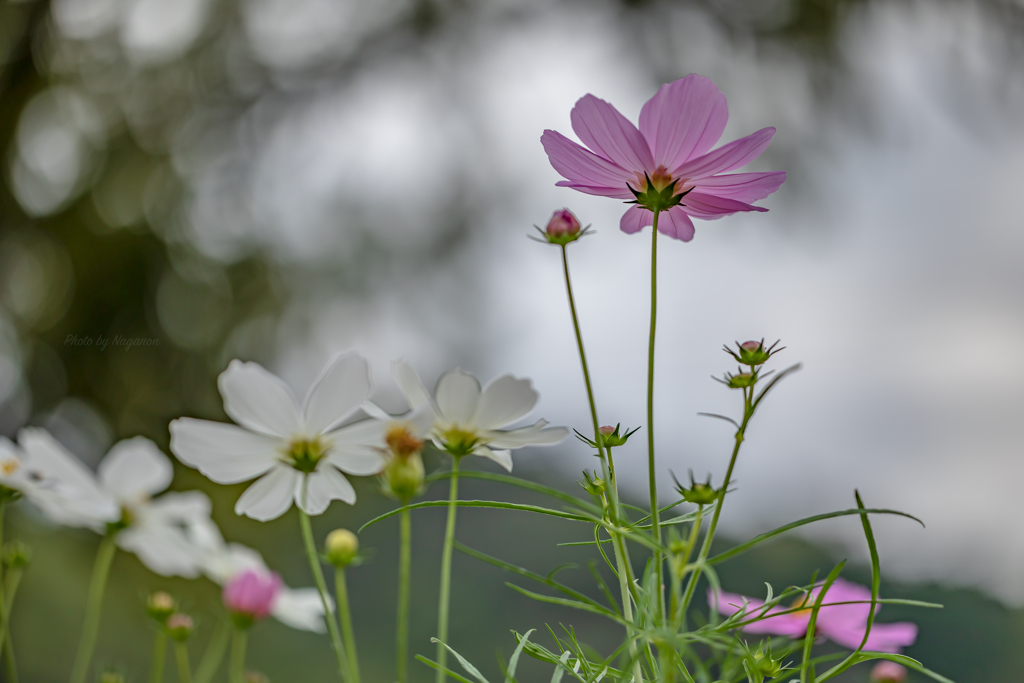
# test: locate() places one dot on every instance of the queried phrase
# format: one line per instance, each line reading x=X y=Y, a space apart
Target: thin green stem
x=446 y=572
x=156 y=672
x=321 y=586
x=10 y=588
x=651 y=470
x=345 y=619
x=236 y=669
x=214 y=653
x=402 y=625
x=94 y=604
x=181 y=655
x=679 y=568
x=627 y=603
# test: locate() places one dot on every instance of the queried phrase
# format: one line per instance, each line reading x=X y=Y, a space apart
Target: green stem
x=651 y=471
x=321 y=586
x=345 y=618
x=10 y=588
x=627 y=602
x=446 y=572
x=184 y=670
x=94 y=604
x=237 y=667
x=156 y=673
x=214 y=653
x=404 y=572
x=680 y=568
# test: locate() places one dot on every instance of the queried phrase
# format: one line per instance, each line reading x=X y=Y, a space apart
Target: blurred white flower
x=129 y=476
x=468 y=420
x=53 y=479
x=299 y=453
x=299 y=608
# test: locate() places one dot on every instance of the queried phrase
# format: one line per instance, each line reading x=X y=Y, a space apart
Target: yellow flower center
x=458 y=441
x=9 y=466
x=304 y=454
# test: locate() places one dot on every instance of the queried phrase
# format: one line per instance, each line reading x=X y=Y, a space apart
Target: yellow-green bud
x=17 y=554
x=341 y=547
x=160 y=606
x=403 y=477
x=254 y=677
x=111 y=677
x=180 y=627
x=742 y=380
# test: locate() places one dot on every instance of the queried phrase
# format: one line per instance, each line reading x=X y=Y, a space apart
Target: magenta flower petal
x=675 y=223
x=635 y=219
x=727 y=157
x=600 y=190
x=793 y=625
x=579 y=165
x=883 y=637
x=604 y=130
x=743 y=187
x=710 y=207
x=683 y=120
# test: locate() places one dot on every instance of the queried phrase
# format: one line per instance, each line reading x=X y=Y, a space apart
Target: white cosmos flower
x=298 y=452
x=53 y=479
x=468 y=420
x=129 y=476
x=299 y=608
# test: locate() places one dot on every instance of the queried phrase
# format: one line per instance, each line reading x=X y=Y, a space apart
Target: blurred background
x=278 y=180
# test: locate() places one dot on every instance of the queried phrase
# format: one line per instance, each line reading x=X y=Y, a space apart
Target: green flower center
x=304 y=454
x=459 y=442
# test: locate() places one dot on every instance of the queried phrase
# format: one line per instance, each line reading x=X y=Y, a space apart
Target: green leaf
x=521 y=483
x=470 y=669
x=514 y=661
x=809 y=638
x=433 y=665
x=906 y=661
x=560 y=668
x=482 y=504
x=575 y=604
x=743 y=547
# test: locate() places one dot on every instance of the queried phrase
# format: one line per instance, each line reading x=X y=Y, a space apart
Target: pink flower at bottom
x=678 y=128
x=842 y=624
x=252 y=594
x=888 y=672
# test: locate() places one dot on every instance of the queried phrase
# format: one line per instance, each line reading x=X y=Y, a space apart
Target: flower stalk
x=651 y=471
x=156 y=673
x=181 y=655
x=404 y=573
x=237 y=663
x=94 y=605
x=345 y=620
x=321 y=586
x=446 y=572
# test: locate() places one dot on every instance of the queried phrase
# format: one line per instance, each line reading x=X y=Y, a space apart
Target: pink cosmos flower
x=888 y=672
x=842 y=624
x=252 y=594
x=678 y=128
x=563 y=223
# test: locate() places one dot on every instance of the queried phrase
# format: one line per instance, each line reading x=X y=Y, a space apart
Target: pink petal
x=635 y=219
x=676 y=224
x=883 y=638
x=793 y=625
x=727 y=157
x=840 y=616
x=710 y=207
x=619 y=192
x=603 y=129
x=744 y=187
x=580 y=165
x=683 y=120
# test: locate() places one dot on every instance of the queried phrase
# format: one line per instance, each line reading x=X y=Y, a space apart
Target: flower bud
x=594 y=485
x=888 y=672
x=753 y=353
x=403 y=477
x=254 y=677
x=160 y=606
x=111 y=677
x=762 y=662
x=742 y=380
x=562 y=228
x=699 y=493
x=611 y=437
x=16 y=554
x=401 y=441
x=250 y=595
x=341 y=547
x=180 y=627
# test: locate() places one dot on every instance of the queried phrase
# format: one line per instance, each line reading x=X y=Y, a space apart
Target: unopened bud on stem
x=341 y=547
x=180 y=627
x=888 y=672
x=562 y=228
x=160 y=606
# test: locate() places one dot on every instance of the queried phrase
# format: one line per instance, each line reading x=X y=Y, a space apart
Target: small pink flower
x=252 y=593
x=888 y=672
x=842 y=624
x=607 y=430
x=563 y=223
x=678 y=128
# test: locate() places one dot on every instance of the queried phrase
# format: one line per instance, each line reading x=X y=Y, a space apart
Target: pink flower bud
x=888 y=672
x=607 y=430
x=252 y=593
x=563 y=224
x=750 y=345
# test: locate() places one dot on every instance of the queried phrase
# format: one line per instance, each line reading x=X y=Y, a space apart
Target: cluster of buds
x=562 y=228
x=609 y=436
x=753 y=354
x=593 y=484
x=342 y=548
x=160 y=606
x=698 y=493
x=250 y=596
x=888 y=672
x=402 y=478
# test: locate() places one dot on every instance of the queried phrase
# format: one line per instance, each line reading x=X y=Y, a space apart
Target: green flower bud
x=753 y=353
x=595 y=485
x=180 y=627
x=698 y=493
x=403 y=477
x=160 y=606
x=763 y=663
x=16 y=554
x=609 y=436
x=741 y=381
x=341 y=547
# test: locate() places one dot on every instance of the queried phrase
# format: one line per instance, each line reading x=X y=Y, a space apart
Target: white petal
x=68 y=490
x=259 y=400
x=164 y=549
x=341 y=388
x=410 y=384
x=300 y=608
x=504 y=401
x=270 y=496
x=357 y=448
x=534 y=435
x=181 y=507
x=503 y=458
x=135 y=468
x=323 y=486
x=225 y=453
x=457 y=396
